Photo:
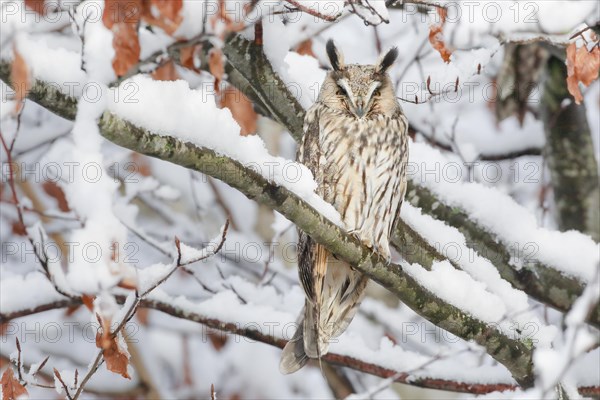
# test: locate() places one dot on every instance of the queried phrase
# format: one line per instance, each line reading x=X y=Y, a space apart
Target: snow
x=35 y=367
x=156 y=99
x=303 y=77
x=571 y=252
x=488 y=286
x=554 y=365
x=59 y=67
x=469 y=23
x=273 y=313
x=98 y=52
x=301 y=74
x=395 y=358
x=22 y=292
x=166 y=192
x=443 y=280
x=276 y=42
x=91 y=195
x=194 y=12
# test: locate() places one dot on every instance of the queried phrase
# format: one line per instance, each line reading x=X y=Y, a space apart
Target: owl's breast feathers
x=360 y=167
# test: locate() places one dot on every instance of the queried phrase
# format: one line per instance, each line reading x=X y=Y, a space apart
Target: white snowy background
x=142 y=204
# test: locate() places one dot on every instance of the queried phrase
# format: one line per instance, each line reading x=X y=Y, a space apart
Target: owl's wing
x=402 y=184
x=294 y=354
x=309 y=151
x=309 y=154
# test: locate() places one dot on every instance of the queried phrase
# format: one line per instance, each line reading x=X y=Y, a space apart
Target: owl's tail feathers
x=308 y=342
x=293 y=356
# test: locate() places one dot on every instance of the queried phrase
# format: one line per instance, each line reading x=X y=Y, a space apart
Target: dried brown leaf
x=436 y=37
x=140 y=164
x=21 y=79
x=88 y=301
x=116 y=358
x=217 y=339
x=142 y=316
x=128 y=283
x=241 y=108
x=306 y=48
x=165 y=14
x=11 y=387
x=19 y=229
x=166 y=72
x=582 y=67
x=127 y=48
x=123 y=17
x=588 y=63
x=35 y=5
x=188 y=55
x=55 y=191
x=71 y=310
x=216 y=66
x=121 y=12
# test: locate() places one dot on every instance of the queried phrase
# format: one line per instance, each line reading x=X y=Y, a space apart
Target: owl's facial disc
x=359 y=100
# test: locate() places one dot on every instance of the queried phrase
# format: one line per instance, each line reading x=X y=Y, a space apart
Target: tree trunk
x=569 y=152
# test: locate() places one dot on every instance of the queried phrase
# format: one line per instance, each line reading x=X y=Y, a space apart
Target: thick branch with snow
x=512 y=353
x=251 y=72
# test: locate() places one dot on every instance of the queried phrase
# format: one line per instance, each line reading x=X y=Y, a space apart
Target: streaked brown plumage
x=355 y=144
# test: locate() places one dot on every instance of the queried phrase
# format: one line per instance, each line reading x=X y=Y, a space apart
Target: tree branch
x=540 y=281
x=516 y=356
x=250 y=71
x=338 y=359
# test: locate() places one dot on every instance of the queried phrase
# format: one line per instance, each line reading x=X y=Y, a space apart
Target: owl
x=355 y=144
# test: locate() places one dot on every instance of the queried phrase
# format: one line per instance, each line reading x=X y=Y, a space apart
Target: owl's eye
x=343 y=91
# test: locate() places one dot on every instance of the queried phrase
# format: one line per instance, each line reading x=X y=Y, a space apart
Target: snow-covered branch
x=363 y=364
x=512 y=353
x=542 y=281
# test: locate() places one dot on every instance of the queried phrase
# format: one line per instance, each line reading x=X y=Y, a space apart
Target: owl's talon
x=383 y=254
x=355 y=234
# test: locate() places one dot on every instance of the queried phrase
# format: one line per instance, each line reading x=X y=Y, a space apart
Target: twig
x=140 y=296
x=312 y=12
x=18 y=129
x=41 y=257
x=64 y=385
x=19 y=366
x=366 y=366
x=91 y=371
x=221 y=202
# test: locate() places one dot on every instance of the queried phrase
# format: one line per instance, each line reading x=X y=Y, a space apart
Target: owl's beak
x=360 y=107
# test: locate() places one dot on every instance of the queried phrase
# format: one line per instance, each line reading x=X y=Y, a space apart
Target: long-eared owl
x=355 y=144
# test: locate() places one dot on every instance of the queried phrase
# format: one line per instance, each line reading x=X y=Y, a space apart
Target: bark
x=570 y=155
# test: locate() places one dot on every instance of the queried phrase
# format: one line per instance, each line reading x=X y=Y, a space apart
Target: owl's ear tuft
x=387 y=60
x=335 y=56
